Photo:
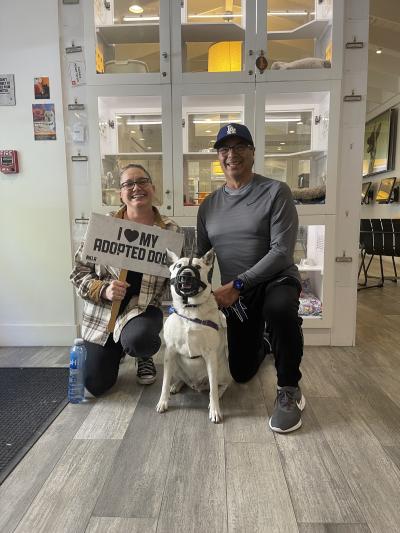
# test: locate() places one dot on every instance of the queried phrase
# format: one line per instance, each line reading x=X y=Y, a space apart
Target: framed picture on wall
x=380 y=143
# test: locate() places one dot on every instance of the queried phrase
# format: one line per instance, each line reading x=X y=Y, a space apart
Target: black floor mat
x=30 y=399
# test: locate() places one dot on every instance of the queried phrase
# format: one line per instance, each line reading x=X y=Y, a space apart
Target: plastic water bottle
x=76 y=384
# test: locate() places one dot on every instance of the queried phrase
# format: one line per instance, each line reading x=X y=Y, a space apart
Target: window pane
x=212 y=36
x=128 y=135
x=298 y=30
x=309 y=257
x=203 y=116
x=127 y=37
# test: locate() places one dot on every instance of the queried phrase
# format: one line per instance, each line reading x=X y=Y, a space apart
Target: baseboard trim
x=317 y=337
x=37 y=334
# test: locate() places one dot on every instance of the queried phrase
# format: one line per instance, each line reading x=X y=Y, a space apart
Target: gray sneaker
x=289 y=404
x=146 y=371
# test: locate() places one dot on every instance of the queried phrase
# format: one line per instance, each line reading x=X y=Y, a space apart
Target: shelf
x=136 y=155
x=205 y=33
x=309 y=268
x=310 y=30
x=129 y=33
x=311 y=153
x=200 y=155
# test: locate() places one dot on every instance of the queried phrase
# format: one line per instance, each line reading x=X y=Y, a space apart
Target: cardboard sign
x=127 y=245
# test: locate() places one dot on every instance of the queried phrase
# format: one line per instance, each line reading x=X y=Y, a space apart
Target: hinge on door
x=182 y=3
x=183 y=123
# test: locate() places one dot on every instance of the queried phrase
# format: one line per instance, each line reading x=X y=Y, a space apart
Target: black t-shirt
x=135 y=281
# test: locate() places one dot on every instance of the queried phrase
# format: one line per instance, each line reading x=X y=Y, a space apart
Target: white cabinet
x=168 y=77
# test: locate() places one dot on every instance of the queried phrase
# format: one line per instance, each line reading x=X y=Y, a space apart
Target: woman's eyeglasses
x=236 y=148
x=131 y=184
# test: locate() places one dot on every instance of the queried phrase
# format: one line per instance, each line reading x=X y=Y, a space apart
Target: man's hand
x=116 y=291
x=226 y=295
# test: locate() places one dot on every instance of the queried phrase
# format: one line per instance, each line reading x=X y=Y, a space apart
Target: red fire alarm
x=9 y=162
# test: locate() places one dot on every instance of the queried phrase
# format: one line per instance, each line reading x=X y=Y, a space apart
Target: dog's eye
x=178 y=265
x=198 y=267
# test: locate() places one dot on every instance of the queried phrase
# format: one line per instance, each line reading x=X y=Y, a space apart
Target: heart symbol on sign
x=131 y=235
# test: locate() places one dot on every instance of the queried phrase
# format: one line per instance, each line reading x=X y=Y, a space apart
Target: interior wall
x=373 y=209
x=37 y=306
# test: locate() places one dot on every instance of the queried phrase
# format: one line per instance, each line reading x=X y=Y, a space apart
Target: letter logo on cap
x=230 y=130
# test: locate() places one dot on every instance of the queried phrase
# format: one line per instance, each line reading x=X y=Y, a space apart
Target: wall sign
x=44 y=122
x=127 y=245
x=42 y=88
x=7 y=89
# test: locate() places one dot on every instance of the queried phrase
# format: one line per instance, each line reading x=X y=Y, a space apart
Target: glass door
x=204 y=110
x=300 y=39
x=210 y=41
x=297 y=130
x=127 y=42
x=132 y=127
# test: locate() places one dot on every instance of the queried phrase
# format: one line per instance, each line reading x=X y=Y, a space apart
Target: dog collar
x=209 y=323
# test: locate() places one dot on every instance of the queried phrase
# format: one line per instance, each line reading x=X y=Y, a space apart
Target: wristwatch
x=238 y=284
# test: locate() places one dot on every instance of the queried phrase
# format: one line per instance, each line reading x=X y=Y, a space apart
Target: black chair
x=378 y=236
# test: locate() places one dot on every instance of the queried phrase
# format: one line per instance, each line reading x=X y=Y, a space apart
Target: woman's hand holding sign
x=116 y=291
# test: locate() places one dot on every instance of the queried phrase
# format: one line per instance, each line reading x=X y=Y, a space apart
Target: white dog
x=195 y=334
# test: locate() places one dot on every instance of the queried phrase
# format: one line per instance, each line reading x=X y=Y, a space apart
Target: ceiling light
x=300 y=123
x=136 y=9
x=282 y=117
x=133 y=131
x=282 y=143
x=379 y=51
x=142 y=122
x=291 y=131
x=208 y=131
x=149 y=147
x=139 y=19
x=209 y=121
x=142 y=139
x=279 y=148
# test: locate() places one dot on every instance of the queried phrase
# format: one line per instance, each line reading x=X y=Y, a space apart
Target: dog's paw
x=215 y=415
x=162 y=406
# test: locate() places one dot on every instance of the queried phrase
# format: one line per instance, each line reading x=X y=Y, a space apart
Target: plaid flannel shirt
x=91 y=281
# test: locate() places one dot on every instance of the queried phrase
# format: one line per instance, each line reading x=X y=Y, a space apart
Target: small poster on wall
x=7 y=89
x=42 y=88
x=44 y=122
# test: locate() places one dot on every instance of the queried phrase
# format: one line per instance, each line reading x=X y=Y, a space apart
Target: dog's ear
x=208 y=258
x=171 y=257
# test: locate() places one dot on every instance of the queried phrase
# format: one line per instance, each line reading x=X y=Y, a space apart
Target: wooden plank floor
x=115 y=465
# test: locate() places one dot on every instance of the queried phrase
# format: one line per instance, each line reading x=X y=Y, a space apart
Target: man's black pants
x=275 y=305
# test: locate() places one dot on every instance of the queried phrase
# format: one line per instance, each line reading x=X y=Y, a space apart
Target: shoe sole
x=296 y=426
x=146 y=381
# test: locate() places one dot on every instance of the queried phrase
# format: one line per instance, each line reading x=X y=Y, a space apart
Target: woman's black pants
x=140 y=337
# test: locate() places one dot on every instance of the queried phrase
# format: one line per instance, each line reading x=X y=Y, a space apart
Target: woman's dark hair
x=134 y=165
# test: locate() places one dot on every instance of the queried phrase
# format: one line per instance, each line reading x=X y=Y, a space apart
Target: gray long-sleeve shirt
x=253 y=234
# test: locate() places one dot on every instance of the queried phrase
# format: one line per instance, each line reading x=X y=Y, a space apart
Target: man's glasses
x=131 y=184
x=236 y=148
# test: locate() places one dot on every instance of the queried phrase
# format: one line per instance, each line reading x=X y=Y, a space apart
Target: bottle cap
x=78 y=341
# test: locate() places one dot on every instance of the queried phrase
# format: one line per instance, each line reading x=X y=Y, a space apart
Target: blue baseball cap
x=233 y=130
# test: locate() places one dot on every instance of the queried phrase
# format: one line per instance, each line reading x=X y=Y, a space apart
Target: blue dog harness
x=209 y=323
